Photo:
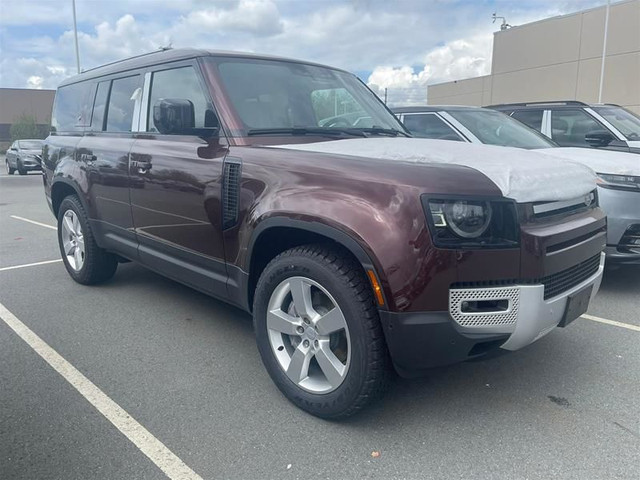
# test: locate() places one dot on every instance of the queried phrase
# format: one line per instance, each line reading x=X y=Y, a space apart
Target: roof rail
x=160 y=50
x=550 y=103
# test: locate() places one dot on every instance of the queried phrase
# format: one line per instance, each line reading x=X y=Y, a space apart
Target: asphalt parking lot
x=185 y=367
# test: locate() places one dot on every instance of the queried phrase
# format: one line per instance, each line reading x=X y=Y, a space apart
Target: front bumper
x=623 y=220
x=427 y=339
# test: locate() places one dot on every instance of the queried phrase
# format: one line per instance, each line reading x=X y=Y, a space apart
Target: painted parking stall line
x=153 y=448
x=15 y=217
x=612 y=322
x=14 y=267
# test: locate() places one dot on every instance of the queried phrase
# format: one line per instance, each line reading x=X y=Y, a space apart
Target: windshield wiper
x=391 y=132
x=332 y=132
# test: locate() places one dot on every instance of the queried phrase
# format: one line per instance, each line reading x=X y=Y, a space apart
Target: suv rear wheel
x=318 y=331
x=84 y=260
x=10 y=169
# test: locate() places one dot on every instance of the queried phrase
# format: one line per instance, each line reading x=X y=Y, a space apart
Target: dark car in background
x=618 y=173
x=578 y=124
x=24 y=156
x=288 y=189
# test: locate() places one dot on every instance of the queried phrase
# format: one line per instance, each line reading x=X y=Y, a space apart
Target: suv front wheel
x=318 y=331
x=84 y=260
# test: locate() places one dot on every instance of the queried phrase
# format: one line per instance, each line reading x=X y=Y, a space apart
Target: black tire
x=10 y=169
x=21 y=169
x=368 y=371
x=99 y=265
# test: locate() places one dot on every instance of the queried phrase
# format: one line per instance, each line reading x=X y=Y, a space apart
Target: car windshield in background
x=273 y=97
x=626 y=122
x=30 y=144
x=495 y=128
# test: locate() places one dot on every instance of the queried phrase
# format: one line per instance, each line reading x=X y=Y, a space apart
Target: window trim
x=450 y=122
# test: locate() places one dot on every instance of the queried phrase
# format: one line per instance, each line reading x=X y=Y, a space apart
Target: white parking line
x=612 y=322
x=30 y=265
x=34 y=222
x=153 y=448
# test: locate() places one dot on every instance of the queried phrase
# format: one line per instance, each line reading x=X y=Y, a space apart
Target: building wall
x=558 y=59
x=15 y=102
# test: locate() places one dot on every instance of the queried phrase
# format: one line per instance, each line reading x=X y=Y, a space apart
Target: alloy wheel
x=73 y=240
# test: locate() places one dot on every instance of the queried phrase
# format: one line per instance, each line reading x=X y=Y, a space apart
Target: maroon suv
x=288 y=189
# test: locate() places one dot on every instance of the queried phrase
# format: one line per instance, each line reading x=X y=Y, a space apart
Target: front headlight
x=472 y=223
x=625 y=182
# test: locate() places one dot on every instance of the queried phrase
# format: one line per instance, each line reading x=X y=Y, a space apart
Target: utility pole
x=385 y=95
x=75 y=34
x=604 y=50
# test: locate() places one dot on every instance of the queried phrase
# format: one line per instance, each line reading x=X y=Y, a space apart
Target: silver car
x=618 y=172
x=24 y=156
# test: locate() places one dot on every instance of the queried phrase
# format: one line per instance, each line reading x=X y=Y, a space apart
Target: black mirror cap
x=599 y=138
x=174 y=116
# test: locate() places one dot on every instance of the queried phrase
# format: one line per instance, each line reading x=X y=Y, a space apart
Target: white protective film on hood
x=523 y=175
x=600 y=161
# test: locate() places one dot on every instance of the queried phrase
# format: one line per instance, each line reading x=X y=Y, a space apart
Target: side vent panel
x=231 y=192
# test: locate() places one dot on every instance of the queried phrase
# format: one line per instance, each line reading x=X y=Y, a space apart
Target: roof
x=15 y=102
x=433 y=108
x=171 y=55
x=550 y=103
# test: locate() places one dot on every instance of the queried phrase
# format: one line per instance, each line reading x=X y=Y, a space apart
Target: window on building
x=531 y=118
x=72 y=108
x=569 y=127
x=181 y=83
x=428 y=125
x=125 y=93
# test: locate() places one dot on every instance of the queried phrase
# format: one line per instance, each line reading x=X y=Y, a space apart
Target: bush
x=25 y=127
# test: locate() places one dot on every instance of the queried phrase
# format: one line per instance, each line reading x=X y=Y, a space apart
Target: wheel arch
x=278 y=234
x=61 y=188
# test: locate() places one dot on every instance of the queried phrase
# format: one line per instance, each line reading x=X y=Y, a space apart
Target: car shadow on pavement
x=621 y=279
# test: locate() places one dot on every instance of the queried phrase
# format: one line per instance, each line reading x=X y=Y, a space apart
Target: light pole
x=604 y=50
x=75 y=34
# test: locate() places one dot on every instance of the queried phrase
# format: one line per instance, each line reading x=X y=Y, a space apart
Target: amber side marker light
x=376 y=287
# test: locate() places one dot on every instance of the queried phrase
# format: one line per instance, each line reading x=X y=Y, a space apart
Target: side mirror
x=599 y=138
x=13 y=149
x=174 y=116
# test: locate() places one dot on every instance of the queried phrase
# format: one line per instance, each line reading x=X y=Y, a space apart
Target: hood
x=523 y=175
x=600 y=161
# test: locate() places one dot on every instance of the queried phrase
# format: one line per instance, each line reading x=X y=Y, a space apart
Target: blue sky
x=400 y=44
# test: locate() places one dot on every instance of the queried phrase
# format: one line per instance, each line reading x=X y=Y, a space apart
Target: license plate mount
x=577 y=304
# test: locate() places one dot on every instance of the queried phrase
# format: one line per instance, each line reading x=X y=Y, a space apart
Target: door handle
x=143 y=166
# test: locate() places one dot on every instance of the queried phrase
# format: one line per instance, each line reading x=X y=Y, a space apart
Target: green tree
x=25 y=127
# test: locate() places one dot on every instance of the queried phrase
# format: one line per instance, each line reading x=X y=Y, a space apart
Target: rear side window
x=72 y=109
x=125 y=95
x=100 y=106
x=531 y=118
x=428 y=125
x=181 y=83
x=569 y=127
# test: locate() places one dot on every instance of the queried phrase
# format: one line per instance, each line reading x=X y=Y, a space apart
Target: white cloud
x=258 y=17
x=462 y=58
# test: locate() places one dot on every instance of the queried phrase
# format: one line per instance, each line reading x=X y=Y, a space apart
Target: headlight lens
x=471 y=223
x=608 y=180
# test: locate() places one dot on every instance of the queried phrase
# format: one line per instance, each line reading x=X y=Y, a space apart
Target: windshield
x=273 y=96
x=495 y=128
x=30 y=144
x=626 y=122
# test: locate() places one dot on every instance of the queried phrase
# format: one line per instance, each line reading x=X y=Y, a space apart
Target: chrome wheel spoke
x=281 y=322
x=298 y=368
x=301 y=293
x=68 y=247
x=77 y=256
x=331 y=322
x=332 y=368
x=68 y=224
x=76 y=225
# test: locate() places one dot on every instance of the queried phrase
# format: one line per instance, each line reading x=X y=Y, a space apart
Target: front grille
x=565 y=280
x=547 y=209
x=553 y=284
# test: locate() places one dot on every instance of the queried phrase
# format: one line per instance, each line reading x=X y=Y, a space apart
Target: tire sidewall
x=329 y=404
x=70 y=203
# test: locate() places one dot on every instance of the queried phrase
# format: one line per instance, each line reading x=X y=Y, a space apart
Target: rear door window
x=100 y=106
x=569 y=127
x=531 y=118
x=429 y=125
x=126 y=94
